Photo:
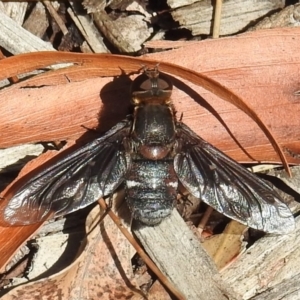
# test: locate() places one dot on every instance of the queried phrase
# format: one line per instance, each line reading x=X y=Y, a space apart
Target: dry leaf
x=224 y=247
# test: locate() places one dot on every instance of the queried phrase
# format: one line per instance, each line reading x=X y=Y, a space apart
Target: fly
x=150 y=153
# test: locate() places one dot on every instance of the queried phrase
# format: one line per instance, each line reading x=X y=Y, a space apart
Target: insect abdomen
x=151 y=190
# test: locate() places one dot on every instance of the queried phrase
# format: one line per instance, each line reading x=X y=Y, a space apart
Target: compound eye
x=164 y=83
x=155 y=83
x=151 y=84
x=141 y=84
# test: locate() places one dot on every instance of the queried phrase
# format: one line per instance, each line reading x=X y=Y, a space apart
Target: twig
x=205 y=218
x=217 y=19
x=88 y=30
x=13 y=79
x=56 y=17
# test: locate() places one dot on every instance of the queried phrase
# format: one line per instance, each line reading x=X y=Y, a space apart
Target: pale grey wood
x=15 y=157
x=180 y=3
x=16 y=39
x=288 y=17
x=15 y=10
x=294 y=181
x=236 y=15
x=87 y=28
x=127 y=34
x=286 y=290
x=178 y=254
x=269 y=264
x=37 y=22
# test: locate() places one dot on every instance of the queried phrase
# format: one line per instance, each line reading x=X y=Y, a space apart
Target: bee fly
x=150 y=153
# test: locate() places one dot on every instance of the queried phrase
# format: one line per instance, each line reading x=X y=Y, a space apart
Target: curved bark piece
x=112 y=63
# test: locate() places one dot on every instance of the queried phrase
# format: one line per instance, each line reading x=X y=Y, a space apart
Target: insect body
x=151 y=183
x=150 y=153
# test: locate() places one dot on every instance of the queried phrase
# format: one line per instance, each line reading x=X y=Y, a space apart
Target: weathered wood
x=236 y=15
x=87 y=29
x=127 y=34
x=178 y=254
x=288 y=17
x=14 y=158
x=268 y=265
x=16 y=39
x=15 y=10
x=286 y=290
x=179 y=3
x=37 y=22
x=292 y=182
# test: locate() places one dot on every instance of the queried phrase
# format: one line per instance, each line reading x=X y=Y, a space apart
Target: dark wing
x=228 y=187
x=79 y=179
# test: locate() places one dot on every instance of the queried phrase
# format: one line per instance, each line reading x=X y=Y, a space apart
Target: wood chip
x=292 y=182
x=56 y=17
x=224 y=247
x=15 y=10
x=266 y=265
x=178 y=254
x=87 y=28
x=37 y=22
x=16 y=39
x=236 y=15
x=127 y=34
x=14 y=158
x=180 y=3
x=288 y=17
